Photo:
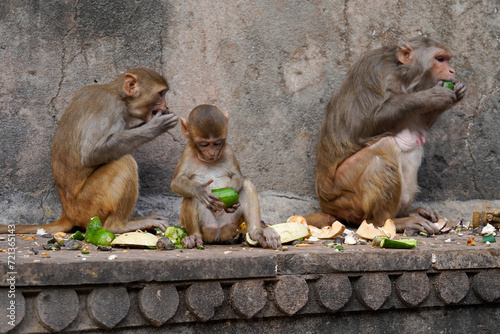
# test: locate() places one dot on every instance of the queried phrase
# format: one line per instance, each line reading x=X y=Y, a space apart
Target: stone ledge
x=106 y=307
x=253 y=288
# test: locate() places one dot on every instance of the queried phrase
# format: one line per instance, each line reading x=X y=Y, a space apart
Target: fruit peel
x=290 y=231
x=368 y=231
x=138 y=238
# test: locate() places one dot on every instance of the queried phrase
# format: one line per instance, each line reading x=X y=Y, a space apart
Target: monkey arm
x=113 y=146
x=99 y=148
x=182 y=182
x=234 y=172
x=400 y=109
x=188 y=187
x=186 y=184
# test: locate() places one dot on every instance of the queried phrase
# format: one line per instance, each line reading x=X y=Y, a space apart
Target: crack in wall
x=345 y=35
x=53 y=111
x=471 y=152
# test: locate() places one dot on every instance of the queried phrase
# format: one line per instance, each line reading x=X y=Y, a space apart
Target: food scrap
x=97 y=235
x=175 y=234
x=385 y=242
x=471 y=242
x=136 y=239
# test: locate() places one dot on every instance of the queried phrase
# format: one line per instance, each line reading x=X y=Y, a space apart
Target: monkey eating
x=208 y=162
x=93 y=171
x=372 y=136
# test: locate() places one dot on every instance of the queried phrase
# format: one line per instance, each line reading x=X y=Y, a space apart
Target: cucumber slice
x=385 y=242
x=448 y=84
x=227 y=196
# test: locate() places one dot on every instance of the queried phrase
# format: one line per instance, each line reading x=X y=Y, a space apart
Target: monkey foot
x=192 y=241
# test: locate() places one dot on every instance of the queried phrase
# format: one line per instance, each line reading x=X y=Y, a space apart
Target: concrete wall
x=272 y=65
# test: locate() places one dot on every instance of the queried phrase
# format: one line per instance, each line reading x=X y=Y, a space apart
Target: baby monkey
x=207 y=163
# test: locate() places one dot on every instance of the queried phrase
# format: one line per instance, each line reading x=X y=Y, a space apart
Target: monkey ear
x=405 y=54
x=184 y=128
x=130 y=84
x=226 y=115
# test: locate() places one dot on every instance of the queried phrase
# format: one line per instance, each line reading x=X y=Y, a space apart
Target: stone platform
x=442 y=286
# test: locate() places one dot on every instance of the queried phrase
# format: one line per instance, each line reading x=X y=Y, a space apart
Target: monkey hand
x=207 y=198
x=192 y=241
x=459 y=90
x=162 y=123
x=427 y=214
x=233 y=208
x=418 y=223
x=267 y=237
x=442 y=98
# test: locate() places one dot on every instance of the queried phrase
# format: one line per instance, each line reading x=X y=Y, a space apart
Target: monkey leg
x=250 y=207
x=203 y=225
x=117 y=183
x=367 y=185
x=191 y=220
x=109 y=193
x=371 y=185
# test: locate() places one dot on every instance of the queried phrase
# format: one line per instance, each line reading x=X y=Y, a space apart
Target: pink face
x=209 y=150
x=441 y=66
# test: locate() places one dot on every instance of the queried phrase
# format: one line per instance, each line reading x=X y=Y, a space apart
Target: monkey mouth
x=163 y=112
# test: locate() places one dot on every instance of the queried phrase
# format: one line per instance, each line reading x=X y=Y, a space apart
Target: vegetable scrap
x=176 y=234
x=97 y=235
x=385 y=242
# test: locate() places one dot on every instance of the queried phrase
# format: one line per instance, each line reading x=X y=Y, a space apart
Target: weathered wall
x=272 y=65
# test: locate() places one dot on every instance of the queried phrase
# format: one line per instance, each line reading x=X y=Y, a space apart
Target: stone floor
x=237 y=288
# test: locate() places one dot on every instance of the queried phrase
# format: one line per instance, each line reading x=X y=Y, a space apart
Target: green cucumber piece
x=448 y=84
x=385 y=242
x=77 y=236
x=97 y=235
x=103 y=237
x=94 y=225
x=227 y=196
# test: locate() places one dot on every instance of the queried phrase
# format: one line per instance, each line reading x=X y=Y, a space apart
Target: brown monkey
x=370 y=145
x=93 y=173
x=208 y=162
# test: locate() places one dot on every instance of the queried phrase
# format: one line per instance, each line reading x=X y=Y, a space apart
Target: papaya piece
x=368 y=231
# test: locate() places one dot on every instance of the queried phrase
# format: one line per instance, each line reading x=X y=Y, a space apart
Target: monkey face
x=209 y=150
x=158 y=105
x=441 y=67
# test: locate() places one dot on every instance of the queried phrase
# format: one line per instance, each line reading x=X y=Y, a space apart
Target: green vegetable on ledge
x=97 y=235
x=384 y=242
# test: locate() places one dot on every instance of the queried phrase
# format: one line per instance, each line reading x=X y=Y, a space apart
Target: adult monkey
x=370 y=145
x=93 y=172
x=208 y=162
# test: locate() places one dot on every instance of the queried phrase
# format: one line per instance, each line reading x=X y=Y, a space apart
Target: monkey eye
x=219 y=142
x=441 y=59
x=162 y=93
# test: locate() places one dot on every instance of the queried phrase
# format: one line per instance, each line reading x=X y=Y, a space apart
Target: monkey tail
x=60 y=225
